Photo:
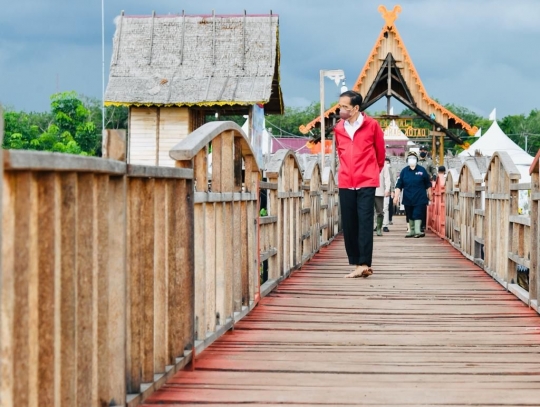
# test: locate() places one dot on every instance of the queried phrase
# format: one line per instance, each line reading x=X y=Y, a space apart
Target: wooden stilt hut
x=176 y=71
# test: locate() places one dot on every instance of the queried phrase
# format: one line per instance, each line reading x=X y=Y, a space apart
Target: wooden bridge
x=130 y=285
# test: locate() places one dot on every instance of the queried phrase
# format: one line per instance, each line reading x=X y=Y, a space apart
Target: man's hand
x=386 y=193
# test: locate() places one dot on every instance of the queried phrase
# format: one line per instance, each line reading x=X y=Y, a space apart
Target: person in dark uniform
x=425 y=161
x=415 y=182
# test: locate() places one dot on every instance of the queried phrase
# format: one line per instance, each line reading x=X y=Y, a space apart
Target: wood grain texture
x=85 y=286
x=434 y=332
x=47 y=212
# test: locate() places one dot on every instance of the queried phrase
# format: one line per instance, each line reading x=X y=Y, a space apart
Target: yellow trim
x=205 y=104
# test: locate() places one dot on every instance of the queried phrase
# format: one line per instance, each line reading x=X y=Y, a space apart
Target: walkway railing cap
x=535 y=164
x=453 y=175
x=327 y=174
x=472 y=165
x=310 y=169
x=196 y=141
x=507 y=163
x=273 y=168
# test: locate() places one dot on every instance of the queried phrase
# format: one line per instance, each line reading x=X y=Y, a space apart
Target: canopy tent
x=495 y=140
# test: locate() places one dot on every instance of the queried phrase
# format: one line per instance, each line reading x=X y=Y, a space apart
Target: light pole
x=102 y=66
x=337 y=75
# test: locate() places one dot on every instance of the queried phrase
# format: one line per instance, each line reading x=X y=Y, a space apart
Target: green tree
x=523 y=130
x=72 y=126
x=288 y=124
x=73 y=117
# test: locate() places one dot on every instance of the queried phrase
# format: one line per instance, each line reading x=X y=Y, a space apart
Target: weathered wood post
x=534 y=279
x=501 y=175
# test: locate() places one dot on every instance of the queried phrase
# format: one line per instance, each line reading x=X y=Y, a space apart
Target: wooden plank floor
x=427 y=329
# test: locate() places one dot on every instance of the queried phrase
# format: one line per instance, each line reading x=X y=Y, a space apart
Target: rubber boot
x=418 y=228
x=411 y=229
x=379 y=225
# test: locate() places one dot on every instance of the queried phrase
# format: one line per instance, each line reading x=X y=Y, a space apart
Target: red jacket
x=361 y=159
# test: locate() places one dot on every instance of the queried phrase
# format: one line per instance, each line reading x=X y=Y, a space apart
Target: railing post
x=534 y=282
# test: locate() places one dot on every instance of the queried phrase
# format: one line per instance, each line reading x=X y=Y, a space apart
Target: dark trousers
x=357 y=211
x=379 y=206
x=390 y=209
x=415 y=212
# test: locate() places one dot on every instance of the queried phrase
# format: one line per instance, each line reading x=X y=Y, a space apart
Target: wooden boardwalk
x=429 y=328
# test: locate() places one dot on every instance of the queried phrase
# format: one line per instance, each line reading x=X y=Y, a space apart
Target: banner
x=257 y=129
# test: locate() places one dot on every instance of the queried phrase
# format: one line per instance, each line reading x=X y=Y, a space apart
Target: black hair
x=387 y=159
x=356 y=98
x=442 y=168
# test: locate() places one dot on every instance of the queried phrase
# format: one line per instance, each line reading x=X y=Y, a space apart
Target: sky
x=480 y=54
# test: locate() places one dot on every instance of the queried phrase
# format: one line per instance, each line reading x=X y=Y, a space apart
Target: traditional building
x=174 y=71
x=389 y=72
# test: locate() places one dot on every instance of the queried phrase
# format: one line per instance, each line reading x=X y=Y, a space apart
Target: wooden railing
x=437 y=209
x=97 y=277
x=301 y=215
x=114 y=276
x=484 y=222
x=226 y=233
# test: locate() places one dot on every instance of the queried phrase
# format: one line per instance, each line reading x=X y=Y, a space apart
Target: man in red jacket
x=361 y=153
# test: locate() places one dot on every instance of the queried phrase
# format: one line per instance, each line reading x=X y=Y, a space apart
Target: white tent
x=495 y=140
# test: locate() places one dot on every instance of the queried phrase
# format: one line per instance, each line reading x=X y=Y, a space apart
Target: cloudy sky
x=479 y=54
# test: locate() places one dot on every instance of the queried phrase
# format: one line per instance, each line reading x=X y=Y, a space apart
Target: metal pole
x=322 y=119
x=103 y=65
x=441 y=150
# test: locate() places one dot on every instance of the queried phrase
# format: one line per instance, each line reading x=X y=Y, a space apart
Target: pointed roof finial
x=390 y=16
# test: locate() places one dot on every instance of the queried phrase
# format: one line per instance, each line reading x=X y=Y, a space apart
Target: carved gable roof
x=389 y=55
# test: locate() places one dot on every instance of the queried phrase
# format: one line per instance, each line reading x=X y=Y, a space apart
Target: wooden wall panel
x=173 y=128
x=142 y=138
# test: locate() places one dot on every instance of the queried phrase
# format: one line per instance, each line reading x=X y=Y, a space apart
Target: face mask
x=411 y=161
x=345 y=114
x=423 y=154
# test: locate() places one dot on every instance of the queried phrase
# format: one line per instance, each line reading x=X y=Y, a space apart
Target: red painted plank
x=428 y=328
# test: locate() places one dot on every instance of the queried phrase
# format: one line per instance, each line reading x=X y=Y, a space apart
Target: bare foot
x=360 y=271
x=367 y=272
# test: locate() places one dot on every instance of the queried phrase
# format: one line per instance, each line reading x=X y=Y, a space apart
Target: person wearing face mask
x=361 y=151
x=415 y=183
x=427 y=162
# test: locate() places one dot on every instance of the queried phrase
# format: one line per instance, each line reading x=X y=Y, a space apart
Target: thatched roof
x=180 y=60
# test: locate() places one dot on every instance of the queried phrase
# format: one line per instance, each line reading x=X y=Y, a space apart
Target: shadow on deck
x=428 y=328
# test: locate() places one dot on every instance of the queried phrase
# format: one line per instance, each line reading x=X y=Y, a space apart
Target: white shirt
x=351 y=128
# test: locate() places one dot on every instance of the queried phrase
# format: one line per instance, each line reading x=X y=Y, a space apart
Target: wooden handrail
x=114 y=276
x=484 y=222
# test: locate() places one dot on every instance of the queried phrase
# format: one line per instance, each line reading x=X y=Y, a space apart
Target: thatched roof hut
x=206 y=60
x=174 y=71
